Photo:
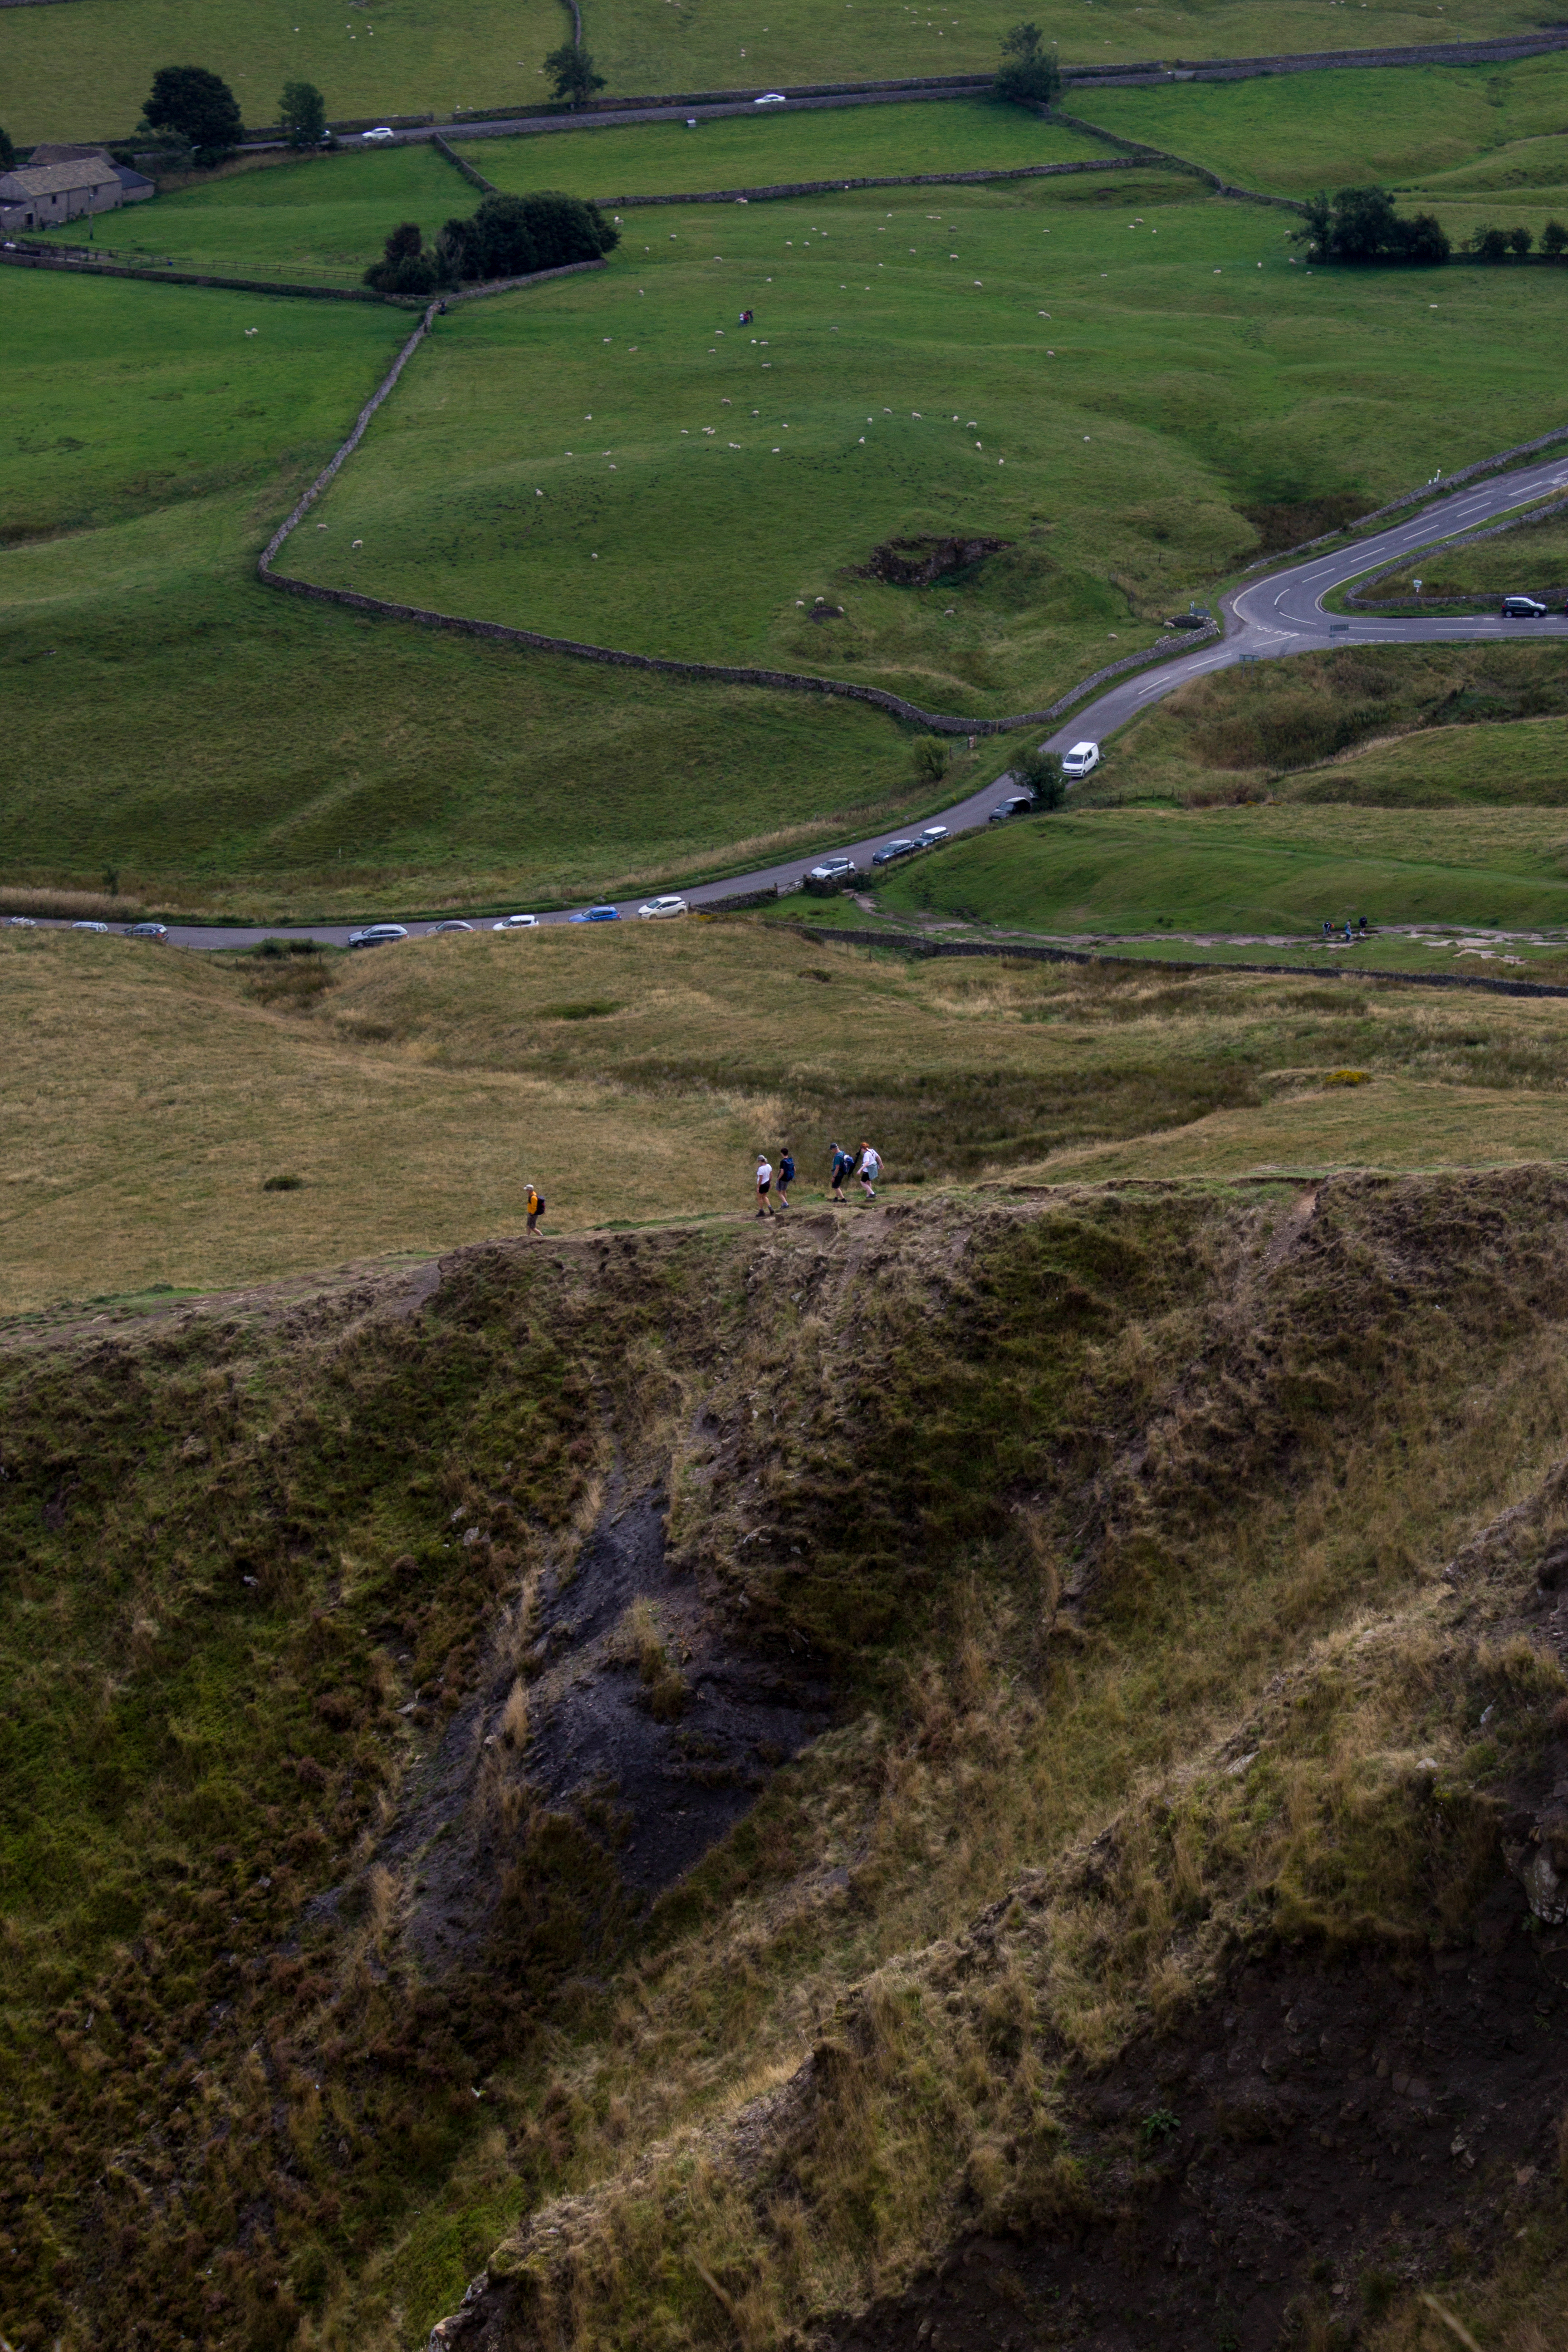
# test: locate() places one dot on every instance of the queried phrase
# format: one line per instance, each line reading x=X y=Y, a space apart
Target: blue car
x=596 y=915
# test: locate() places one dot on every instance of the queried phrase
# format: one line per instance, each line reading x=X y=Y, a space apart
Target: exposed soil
x=916 y=562
x=1318 y=2137
x=681 y=1784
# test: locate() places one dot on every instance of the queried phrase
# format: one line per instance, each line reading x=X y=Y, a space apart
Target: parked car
x=886 y=854
x=1081 y=760
x=930 y=835
x=596 y=915
x=1015 y=804
x=90 y=927
x=380 y=134
x=453 y=923
x=21 y=923
x=831 y=869
x=657 y=908
x=516 y=923
x=1523 y=608
x=147 y=932
x=378 y=935
x=770 y=98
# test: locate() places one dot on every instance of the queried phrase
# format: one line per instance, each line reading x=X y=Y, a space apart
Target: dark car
x=886 y=855
x=1015 y=804
x=596 y=915
x=1523 y=608
x=451 y=924
x=378 y=935
x=147 y=932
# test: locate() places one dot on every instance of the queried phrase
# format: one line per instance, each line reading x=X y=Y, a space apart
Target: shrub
x=1042 y=772
x=1489 y=244
x=1028 y=74
x=1553 y=240
x=405 y=267
x=7 y=154
x=510 y=235
x=1361 y=225
x=931 y=757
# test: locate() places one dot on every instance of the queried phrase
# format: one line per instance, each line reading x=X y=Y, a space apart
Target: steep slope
x=686 y=1775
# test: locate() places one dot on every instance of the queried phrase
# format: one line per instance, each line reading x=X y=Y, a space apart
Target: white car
x=658 y=908
x=516 y=923
x=1081 y=760
x=21 y=923
x=380 y=135
x=773 y=98
x=90 y=927
x=930 y=835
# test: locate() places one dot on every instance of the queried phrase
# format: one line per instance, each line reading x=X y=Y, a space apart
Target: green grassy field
x=1303 y=132
x=324 y=218
x=1249 y=869
x=125 y=400
x=83 y=71
x=657 y=159
x=1143 y=363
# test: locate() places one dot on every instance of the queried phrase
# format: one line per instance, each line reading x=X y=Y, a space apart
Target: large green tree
x=7 y=154
x=196 y=106
x=1361 y=225
x=508 y=236
x=571 y=70
x=1029 y=73
x=303 y=111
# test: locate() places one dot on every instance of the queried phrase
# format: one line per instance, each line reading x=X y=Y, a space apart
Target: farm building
x=37 y=195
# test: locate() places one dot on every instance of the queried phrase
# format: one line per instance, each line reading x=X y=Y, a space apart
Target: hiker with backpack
x=785 y=1176
x=843 y=1165
x=533 y=1202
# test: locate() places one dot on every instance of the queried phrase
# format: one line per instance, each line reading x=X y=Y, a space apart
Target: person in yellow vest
x=534 y=1204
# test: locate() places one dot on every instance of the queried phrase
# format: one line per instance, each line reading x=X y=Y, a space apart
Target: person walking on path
x=533 y=1202
x=843 y=1165
x=870 y=1168
x=765 y=1185
x=786 y=1176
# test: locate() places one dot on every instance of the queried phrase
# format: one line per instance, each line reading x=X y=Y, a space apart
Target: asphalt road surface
x=1279 y=615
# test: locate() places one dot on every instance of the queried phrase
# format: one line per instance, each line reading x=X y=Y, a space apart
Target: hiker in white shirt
x=870 y=1168
x=764 y=1186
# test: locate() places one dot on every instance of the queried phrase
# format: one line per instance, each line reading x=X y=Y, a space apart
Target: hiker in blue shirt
x=785 y=1176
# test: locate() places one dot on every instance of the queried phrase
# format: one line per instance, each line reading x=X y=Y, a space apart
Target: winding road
x=1266 y=619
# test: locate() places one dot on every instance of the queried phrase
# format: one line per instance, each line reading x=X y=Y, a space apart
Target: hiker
x=765 y=1185
x=843 y=1165
x=1349 y=933
x=1328 y=926
x=786 y=1176
x=1361 y=926
x=534 y=1204
x=870 y=1168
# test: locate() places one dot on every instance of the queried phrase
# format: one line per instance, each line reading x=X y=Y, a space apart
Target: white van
x=1081 y=760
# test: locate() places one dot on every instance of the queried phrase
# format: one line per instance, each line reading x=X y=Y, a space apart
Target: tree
x=405 y=267
x=1361 y=225
x=1555 y=240
x=572 y=71
x=303 y=111
x=7 y=154
x=509 y=237
x=197 y=106
x=1028 y=74
x=1489 y=244
x=1042 y=772
x=1520 y=241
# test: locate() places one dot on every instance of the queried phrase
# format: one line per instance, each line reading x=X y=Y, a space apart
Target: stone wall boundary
x=1138 y=153
x=459 y=163
x=1450 y=546
x=35 y=260
x=1026 y=951
x=1414 y=497
x=785 y=188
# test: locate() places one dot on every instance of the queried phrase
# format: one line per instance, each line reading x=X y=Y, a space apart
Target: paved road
x=1279 y=615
